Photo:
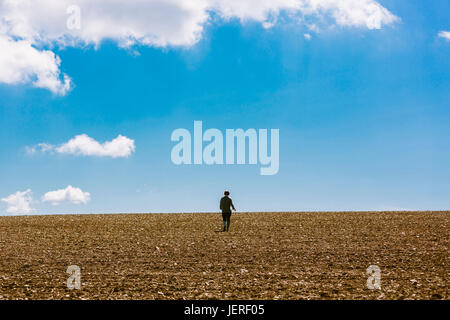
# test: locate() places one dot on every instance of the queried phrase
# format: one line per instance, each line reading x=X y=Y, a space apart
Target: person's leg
x=224 y=220
x=228 y=221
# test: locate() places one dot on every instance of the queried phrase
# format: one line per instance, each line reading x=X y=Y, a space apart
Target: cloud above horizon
x=29 y=28
x=20 y=63
x=69 y=194
x=83 y=145
x=19 y=202
x=444 y=34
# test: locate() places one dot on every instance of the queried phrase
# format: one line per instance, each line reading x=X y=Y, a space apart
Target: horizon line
x=218 y=212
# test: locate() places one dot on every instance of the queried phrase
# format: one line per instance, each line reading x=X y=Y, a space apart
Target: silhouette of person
x=225 y=205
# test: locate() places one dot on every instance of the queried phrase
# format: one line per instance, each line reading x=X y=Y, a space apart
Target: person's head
x=227 y=193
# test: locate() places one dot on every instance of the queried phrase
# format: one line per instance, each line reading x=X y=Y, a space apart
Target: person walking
x=225 y=205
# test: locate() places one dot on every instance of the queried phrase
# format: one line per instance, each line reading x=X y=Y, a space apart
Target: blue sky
x=363 y=115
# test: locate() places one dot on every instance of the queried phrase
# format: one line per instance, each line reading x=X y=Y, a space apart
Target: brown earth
x=322 y=255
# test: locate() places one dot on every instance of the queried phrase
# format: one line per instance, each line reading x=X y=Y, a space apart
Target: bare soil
x=304 y=255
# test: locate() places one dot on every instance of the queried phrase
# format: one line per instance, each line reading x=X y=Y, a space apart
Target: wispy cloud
x=444 y=34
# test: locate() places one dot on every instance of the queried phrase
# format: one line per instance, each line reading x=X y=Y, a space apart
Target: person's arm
x=221 y=204
x=232 y=205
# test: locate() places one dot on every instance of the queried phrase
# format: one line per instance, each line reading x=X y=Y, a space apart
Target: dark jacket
x=225 y=204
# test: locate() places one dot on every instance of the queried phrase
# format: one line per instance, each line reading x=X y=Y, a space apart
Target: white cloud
x=444 y=34
x=120 y=147
x=19 y=202
x=71 y=194
x=26 y=26
x=85 y=145
x=20 y=62
x=307 y=36
x=356 y=13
